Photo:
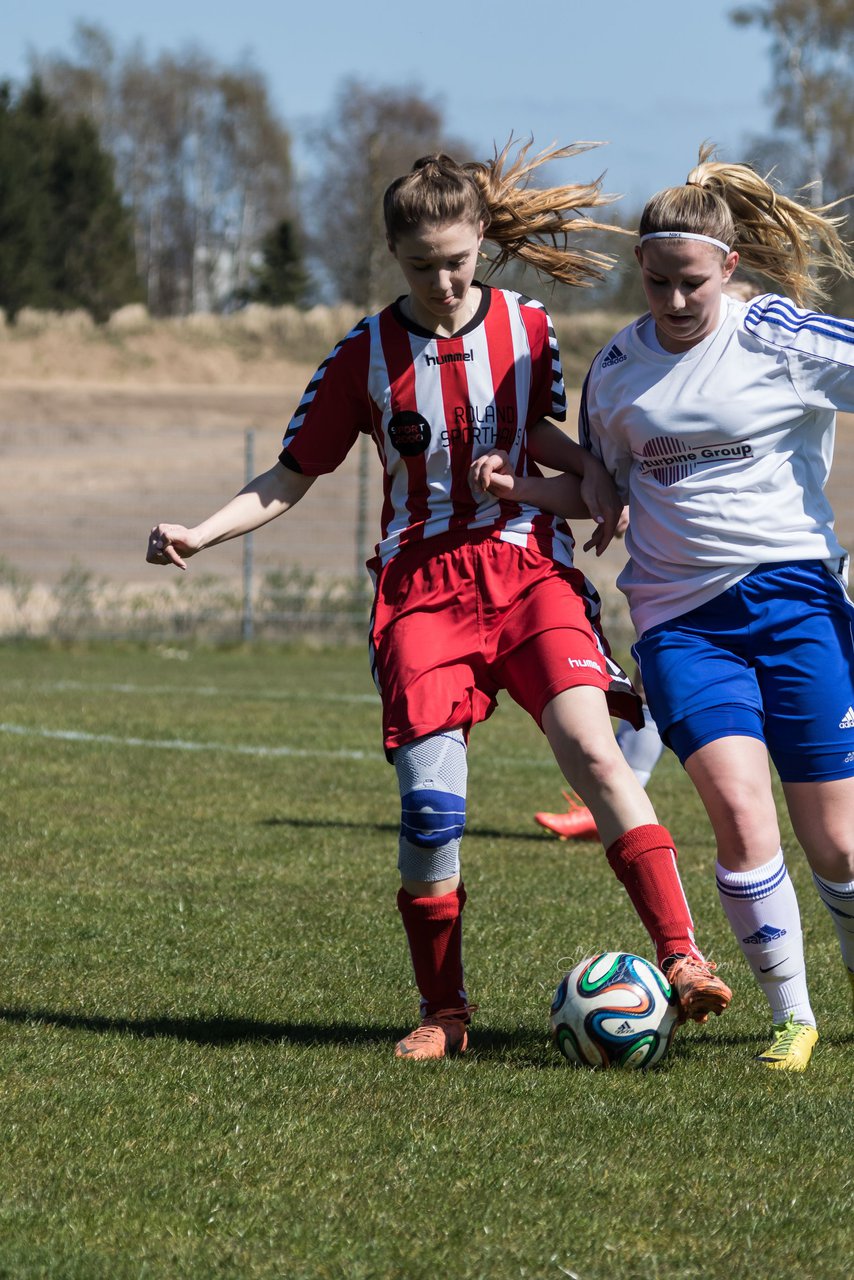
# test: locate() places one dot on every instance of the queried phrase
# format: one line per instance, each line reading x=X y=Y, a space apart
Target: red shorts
x=455 y=621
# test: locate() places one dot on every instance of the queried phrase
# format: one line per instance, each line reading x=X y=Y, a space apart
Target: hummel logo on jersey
x=584 y=662
x=765 y=933
x=453 y=357
x=614 y=356
x=847 y=721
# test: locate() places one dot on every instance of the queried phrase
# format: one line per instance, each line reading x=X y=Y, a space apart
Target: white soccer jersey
x=722 y=451
x=433 y=405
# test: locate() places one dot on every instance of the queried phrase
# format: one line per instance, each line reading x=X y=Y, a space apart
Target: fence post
x=248 y=629
x=363 y=481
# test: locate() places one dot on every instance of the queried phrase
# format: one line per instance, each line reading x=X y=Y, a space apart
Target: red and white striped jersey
x=432 y=405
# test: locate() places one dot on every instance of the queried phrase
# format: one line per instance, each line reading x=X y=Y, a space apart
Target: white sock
x=839 y=900
x=641 y=747
x=762 y=910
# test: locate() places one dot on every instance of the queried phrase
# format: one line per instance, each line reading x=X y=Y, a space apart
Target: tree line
x=169 y=179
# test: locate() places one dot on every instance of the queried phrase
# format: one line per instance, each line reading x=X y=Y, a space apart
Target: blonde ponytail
x=789 y=242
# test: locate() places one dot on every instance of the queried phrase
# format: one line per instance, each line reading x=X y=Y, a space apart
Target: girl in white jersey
x=716 y=418
x=474 y=595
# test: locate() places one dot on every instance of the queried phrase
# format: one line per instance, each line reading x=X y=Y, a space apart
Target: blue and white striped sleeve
x=819 y=349
x=593 y=436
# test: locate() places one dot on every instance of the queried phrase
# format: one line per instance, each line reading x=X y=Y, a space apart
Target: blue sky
x=653 y=80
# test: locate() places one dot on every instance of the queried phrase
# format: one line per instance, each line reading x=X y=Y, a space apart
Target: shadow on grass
x=393 y=828
x=223 y=1031
x=522 y=1049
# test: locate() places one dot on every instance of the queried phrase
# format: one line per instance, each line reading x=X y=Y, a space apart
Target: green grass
x=203 y=973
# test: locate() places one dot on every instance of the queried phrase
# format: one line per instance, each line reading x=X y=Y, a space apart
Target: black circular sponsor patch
x=409 y=432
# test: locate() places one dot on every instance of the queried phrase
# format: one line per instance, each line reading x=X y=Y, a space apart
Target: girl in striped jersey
x=716 y=417
x=474 y=595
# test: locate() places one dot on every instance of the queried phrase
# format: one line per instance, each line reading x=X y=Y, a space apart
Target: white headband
x=685 y=235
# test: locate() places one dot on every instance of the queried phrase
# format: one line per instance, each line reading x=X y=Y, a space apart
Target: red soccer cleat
x=577 y=823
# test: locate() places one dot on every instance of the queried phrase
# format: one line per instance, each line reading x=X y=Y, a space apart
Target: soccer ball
x=614 y=1010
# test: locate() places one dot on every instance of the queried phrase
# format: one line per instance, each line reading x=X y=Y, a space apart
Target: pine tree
x=65 y=238
x=281 y=278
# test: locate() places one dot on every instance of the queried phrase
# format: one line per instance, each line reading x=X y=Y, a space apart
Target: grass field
x=204 y=972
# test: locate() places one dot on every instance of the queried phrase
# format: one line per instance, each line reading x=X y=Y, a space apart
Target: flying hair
x=789 y=242
x=533 y=224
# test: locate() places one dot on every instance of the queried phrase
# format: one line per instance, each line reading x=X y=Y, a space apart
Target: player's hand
x=171 y=544
x=606 y=507
x=492 y=474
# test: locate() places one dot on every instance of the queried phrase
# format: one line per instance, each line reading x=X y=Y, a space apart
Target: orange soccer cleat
x=577 y=823
x=439 y=1036
x=697 y=989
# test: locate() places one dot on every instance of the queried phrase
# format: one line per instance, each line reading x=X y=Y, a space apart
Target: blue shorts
x=770 y=658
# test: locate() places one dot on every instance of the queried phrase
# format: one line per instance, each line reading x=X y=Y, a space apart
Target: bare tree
x=200 y=159
x=369 y=138
x=812 y=57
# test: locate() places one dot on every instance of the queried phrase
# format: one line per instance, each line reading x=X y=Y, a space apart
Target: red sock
x=644 y=861
x=434 y=929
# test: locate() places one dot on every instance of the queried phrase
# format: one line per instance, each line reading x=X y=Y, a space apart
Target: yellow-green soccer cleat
x=792 y=1047
x=851 y=980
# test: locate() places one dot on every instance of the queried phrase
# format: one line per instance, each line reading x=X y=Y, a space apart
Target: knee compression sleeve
x=432 y=774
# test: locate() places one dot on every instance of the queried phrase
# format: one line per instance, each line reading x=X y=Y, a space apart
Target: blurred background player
x=473 y=595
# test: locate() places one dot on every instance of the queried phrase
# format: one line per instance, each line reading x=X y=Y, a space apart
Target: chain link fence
x=79 y=503
x=106 y=431
x=73 y=564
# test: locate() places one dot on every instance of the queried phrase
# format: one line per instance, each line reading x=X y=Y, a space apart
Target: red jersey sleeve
x=548 y=393
x=334 y=409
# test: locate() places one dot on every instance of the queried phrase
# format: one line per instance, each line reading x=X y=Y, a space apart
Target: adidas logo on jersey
x=613 y=356
x=765 y=933
x=847 y=721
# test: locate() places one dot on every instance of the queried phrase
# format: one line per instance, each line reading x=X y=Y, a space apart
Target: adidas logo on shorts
x=614 y=356
x=847 y=721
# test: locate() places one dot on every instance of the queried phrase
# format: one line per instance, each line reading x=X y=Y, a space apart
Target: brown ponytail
x=530 y=223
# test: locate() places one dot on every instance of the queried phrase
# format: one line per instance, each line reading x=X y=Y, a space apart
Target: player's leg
x=640 y=851
x=577 y=725
x=822 y=816
x=432 y=776
x=704 y=694
x=423 y=668
x=641 y=749
x=554 y=661
x=733 y=779
x=808 y=689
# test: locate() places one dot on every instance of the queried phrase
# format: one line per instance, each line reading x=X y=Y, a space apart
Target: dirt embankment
x=105 y=431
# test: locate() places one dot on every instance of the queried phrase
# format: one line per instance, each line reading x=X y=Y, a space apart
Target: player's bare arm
x=493 y=474
x=563 y=494
x=269 y=495
x=550 y=446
